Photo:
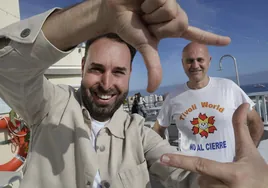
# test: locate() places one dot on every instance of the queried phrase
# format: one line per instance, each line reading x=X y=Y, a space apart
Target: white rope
x=10 y=130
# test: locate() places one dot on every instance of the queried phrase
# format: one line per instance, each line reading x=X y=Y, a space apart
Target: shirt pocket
x=136 y=177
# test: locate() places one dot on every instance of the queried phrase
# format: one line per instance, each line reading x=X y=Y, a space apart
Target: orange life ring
x=19 y=138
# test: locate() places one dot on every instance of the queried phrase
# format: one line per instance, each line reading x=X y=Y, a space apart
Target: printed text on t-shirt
x=208 y=146
x=203 y=105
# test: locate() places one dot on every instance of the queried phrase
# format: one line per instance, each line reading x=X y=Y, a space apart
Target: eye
x=95 y=70
x=189 y=61
x=118 y=72
x=200 y=60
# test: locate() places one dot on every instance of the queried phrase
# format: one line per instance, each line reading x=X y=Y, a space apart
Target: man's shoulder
x=178 y=90
x=127 y=119
x=64 y=94
x=222 y=81
x=67 y=88
x=135 y=119
x=63 y=88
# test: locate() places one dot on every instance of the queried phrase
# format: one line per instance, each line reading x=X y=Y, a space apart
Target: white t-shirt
x=204 y=118
x=96 y=127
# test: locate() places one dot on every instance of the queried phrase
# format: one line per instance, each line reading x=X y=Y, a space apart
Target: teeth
x=105 y=97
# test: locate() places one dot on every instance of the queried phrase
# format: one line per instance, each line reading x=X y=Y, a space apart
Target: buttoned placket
x=100 y=148
x=87 y=121
x=103 y=149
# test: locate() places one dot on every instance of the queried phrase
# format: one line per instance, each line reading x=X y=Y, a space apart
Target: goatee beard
x=97 y=112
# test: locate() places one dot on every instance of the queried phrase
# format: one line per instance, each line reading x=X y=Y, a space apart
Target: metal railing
x=260 y=99
x=235 y=65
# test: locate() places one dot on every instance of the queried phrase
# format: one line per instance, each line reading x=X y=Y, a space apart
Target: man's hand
x=141 y=23
x=249 y=169
x=144 y=23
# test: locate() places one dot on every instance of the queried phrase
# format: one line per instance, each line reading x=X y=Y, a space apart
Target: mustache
x=100 y=89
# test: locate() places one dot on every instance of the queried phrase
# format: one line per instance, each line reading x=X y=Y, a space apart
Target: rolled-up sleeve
x=25 y=55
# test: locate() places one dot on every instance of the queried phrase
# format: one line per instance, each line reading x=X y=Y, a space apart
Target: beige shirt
x=61 y=154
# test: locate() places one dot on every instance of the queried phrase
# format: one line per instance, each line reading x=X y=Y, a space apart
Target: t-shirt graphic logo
x=203 y=125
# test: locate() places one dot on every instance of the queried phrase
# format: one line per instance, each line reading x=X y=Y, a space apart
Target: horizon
x=254 y=79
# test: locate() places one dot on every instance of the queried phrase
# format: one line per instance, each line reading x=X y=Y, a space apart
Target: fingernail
x=165 y=159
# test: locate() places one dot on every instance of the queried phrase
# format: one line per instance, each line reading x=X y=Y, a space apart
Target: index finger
x=204 y=37
x=221 y=171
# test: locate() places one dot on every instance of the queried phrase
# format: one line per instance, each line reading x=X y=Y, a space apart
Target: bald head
x=194 y=46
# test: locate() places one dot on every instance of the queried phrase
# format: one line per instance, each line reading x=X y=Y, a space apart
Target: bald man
x=203 y=108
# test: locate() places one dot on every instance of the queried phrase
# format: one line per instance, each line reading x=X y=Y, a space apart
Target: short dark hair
x=114 y=37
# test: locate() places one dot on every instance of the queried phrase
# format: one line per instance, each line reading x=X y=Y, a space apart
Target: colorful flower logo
x=203 y=125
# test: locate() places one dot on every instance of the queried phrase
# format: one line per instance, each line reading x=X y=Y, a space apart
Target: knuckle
x=182 y=21
x=171 y=13
x=239 y=175
x=200 y=165
x=173 y=9
x=160 y=2
x=170 y=10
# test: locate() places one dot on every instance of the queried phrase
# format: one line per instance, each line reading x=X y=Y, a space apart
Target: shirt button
x=88 y=184
x=105 y=184
x=25 y=33
x=102 y=148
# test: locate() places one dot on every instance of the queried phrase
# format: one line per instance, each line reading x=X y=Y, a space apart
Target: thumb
x=243 y=140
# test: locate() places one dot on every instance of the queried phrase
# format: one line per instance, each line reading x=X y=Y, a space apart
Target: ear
x=83 y=64
x=210 y=58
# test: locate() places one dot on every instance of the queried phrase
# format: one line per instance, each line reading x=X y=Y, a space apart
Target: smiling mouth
x=195 y=72
x=105 y=97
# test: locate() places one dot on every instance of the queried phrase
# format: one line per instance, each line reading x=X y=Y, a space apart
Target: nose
x=195 y=64
x=107 y=81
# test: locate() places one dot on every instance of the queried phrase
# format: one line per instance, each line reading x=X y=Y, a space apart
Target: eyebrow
x=123 y=69
x=93 y=64
x=191 y=59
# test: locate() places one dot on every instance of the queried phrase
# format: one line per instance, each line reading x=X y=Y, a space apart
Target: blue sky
x=245 y=21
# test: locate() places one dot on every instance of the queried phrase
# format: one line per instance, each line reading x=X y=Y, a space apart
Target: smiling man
x=114 y=136
x=203 y=108
x=105 y=76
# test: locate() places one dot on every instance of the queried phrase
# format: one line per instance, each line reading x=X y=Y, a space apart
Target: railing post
x=258 y=105
x=264 y=109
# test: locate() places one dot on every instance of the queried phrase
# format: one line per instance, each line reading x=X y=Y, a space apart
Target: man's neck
x=198 y=85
